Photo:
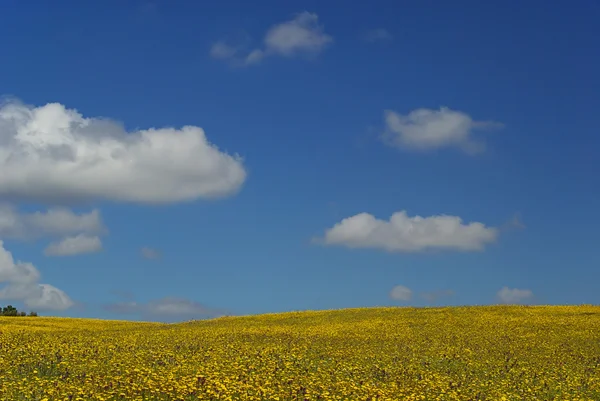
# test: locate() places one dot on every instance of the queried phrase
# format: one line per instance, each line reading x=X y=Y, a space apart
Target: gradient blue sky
x=309 y=125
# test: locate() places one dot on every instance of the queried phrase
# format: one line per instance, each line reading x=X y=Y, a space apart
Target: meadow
x=454 y=353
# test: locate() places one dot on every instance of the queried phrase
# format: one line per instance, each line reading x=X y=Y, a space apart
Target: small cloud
x=177 y=307
x=166 y=309
x=377 y=35
x=426 y=129
x=77 y=245
x=515 y=223
x=79 y=231
x=514 y=295
x=21 y=283
x=302 y=35
x=409 y=234
x=51 y=223
x=149 y=253
x=255 y=57
x=401 y=293
x=222 y=51
x=432 y=296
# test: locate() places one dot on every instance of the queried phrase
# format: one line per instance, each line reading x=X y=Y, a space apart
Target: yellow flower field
x=466 y=353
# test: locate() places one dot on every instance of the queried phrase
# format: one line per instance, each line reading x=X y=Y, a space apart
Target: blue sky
x=326 y=119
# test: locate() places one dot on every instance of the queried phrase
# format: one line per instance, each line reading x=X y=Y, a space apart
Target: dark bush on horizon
x=10 y=310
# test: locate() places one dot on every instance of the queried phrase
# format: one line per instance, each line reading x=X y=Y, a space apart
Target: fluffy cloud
x=514 y=295
x=149 y=253
x=426 y=129
x=51 y=153
x=53 y=222
x=165 y=309
x=401 y=293
x=409 y=234
x=74 y=246
x=377 y=35
x=21 y=283
x=301 y=35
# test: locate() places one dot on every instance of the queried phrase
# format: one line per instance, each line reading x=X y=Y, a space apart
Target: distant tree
x=9 y=310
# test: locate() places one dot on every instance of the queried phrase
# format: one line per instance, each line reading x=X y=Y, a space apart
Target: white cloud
x=301 y=35
x=378 y=35
x=401 y=293
x=53 y=222
x=80 y=230
x=51 y=153
x=514 y=295
x=149 y=253
x=21 y=283
x=168 y=308
x=74 y=246
x=410 y=234
x=426 y=129
x=47 y=297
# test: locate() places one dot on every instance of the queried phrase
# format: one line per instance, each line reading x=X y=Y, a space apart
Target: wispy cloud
x=302 y=35
x=377 y=35
x=433 y=296
x=79 y=231
x=427 y=129
x=149 y=253
x=50 y=223
x=401 y=293
x=166 y=309
x=514 y=223
x=222 y=50
x=76 y=245
x=514 y=295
